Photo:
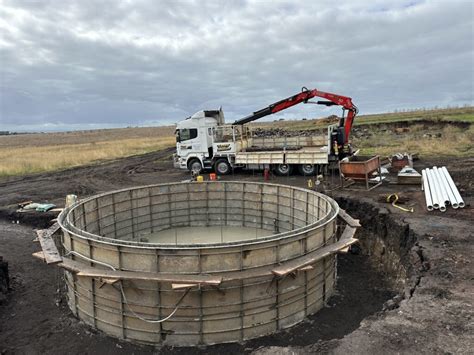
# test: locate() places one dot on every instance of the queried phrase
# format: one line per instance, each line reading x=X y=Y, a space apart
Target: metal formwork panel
x=111 y=229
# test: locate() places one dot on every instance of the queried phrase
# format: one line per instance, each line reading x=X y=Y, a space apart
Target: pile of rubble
x=279 y=132
x=359 y=132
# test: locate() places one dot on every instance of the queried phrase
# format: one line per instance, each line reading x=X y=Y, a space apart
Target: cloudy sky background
x=90 y=64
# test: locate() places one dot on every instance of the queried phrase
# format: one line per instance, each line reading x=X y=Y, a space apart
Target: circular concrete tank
x=166 y=264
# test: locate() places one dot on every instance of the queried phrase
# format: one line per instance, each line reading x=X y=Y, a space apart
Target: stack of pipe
x=440 y=190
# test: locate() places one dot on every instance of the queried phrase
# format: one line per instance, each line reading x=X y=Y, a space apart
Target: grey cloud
x=106 y=63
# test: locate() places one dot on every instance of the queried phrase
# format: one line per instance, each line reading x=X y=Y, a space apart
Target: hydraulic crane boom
x=304 y=96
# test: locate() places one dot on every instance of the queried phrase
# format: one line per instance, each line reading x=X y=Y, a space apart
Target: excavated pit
x=389 y=242
x=382 y=270
x=215 y=284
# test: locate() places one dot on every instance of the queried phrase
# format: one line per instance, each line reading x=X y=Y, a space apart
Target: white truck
x=205 y=142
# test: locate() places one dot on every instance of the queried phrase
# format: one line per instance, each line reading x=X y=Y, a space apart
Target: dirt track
x=436 y=314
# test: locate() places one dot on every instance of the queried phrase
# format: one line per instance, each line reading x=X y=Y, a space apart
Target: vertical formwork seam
x=292 y=208
x=122 y=301
x=278 y=209
x=207 y=205
x=98 y=216
x=152 y=227
x=319 y=207
x=324 y=266
x=277 y=288
x=94 y=314
x=158 y=295
x=261 y=206
x=200 y=292
x=132 y=222
x=188 y=199
x=115 y=215
x=334 y=259
x=243 y=204
x=168 y=199
x=305 y=280
x=74 y=279
x=307 y=208
x=84 y=216
x=241 y=295
x=225 y=205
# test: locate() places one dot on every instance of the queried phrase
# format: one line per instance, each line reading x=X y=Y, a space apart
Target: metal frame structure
x=187 y=294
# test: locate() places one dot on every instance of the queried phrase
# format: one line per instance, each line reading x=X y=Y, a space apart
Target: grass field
x=444 y=132
x=35 y=153
x=447 y=141
x=441 y=132
x=464 y=114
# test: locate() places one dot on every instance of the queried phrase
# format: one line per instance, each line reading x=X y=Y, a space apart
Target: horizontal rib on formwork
x=250 y=301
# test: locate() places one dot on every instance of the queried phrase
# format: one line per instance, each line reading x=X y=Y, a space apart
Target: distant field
x=426 y=132
x=465 y=114
x=34 y=153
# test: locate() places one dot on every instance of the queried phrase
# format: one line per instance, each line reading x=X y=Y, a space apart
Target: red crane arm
x=304 y=96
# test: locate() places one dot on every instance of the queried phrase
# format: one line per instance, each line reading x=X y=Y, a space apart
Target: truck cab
x=204 y=142
x=194 y=139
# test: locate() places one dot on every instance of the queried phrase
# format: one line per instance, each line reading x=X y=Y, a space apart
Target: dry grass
x=34 y=153
x=464 y=114
x=80 y=137
x=452 y=141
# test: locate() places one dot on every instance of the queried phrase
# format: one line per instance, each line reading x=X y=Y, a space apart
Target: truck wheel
x=307 y=169
x=283 y=169
x=222 y=167
x=195 y=165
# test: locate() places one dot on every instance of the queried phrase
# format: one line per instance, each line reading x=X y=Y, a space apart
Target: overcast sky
x=89 y=64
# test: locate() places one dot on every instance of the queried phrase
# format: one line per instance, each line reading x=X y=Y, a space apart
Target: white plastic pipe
x=453 y=187
x=426 y=188
x=444 y=180
x=433 y=188
x=434 y=197
x=439 y=192
x=442 y=188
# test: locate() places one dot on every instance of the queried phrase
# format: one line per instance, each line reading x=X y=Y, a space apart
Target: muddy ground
x=409 y=289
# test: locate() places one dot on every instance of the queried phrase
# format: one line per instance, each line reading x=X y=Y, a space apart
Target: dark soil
x=432 y=313
x=4 y=280
x=53 y=329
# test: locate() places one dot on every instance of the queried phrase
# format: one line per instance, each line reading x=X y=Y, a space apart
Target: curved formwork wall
x=186 y=294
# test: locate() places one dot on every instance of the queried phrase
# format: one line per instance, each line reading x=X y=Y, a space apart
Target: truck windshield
x=185 y=134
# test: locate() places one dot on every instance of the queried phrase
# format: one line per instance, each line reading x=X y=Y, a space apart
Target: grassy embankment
x=464 y=114
x=442 y=132
x=34 y=153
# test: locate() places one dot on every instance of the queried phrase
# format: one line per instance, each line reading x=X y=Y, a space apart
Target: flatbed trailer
x=205 y=142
